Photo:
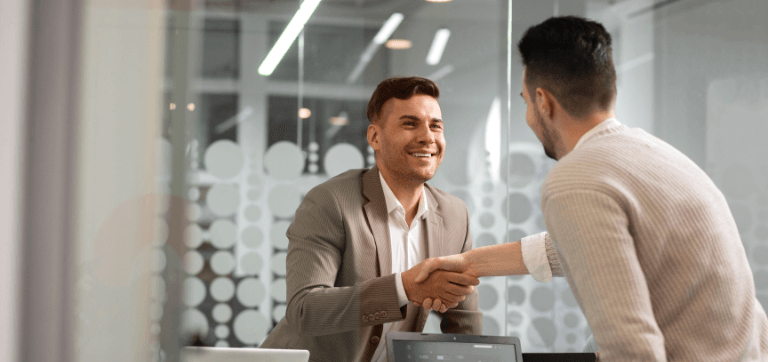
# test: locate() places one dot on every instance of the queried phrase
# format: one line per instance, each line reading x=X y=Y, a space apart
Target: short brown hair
x=400 y=88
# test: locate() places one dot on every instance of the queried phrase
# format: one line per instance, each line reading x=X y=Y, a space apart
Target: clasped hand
x=439 y=283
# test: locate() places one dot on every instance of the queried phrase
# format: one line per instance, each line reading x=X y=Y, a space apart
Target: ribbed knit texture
x=651 y=252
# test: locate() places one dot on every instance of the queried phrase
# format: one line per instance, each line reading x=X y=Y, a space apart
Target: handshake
x=440 y=283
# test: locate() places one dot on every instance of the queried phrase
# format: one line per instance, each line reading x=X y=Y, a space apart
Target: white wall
x=13 y=40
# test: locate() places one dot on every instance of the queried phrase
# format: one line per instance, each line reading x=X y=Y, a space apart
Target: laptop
x=219 y=354
x=414 y=346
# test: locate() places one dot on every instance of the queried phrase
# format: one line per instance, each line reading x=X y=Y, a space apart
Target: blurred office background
x=151 y=163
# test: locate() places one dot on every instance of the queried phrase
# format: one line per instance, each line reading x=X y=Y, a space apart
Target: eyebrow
x=412 y=117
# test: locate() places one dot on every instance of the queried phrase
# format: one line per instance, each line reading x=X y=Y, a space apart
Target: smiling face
x=408 y=139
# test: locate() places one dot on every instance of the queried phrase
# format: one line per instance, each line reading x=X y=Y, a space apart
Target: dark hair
x=571 y=58
x=400 y=88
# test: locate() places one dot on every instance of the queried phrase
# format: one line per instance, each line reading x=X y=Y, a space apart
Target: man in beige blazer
x=357 y=240
x=644 y=237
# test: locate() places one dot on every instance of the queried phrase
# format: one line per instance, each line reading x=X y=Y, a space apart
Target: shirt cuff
x=535 y=257
x=402 y=299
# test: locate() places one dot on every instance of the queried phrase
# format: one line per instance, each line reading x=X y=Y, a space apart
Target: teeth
x=422 y=154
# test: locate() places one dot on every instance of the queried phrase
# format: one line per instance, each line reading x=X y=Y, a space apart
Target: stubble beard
x=549 y=139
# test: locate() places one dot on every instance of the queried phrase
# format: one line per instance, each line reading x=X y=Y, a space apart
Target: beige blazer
x=341 y=289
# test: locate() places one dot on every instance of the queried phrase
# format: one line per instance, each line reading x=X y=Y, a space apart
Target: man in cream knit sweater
x=646 y=241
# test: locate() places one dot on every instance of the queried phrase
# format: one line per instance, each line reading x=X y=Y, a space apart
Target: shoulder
x=344 y=186
x=445 y=202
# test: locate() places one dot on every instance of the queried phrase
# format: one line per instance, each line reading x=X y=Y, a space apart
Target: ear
x=545 y=103
x=374 y=135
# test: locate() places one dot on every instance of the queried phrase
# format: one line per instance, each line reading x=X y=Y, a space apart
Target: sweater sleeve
x=590 y=230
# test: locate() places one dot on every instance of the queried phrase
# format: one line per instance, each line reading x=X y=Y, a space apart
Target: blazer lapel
x=376 y=212
x=434 y=223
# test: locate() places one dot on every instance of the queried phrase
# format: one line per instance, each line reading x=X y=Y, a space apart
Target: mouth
x=424 y=155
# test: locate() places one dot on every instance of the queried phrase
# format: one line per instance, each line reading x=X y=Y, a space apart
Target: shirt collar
x=600 y=127
x=393 y=203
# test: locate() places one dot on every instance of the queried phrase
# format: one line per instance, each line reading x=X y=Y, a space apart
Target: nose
x=425 y=134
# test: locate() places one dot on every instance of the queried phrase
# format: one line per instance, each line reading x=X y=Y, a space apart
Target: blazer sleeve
x=465 y=318
x=316 y=306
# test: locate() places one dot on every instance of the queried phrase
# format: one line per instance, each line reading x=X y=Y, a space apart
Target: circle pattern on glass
x=250 y=327
x=278 y=236
x=251 y=263
x=542 y=332
x=516 y=235
x=161 y=231
x=278 y=312
x=252 y=213
x=522 y=169
x=221 y=331
x=222 y=263
x=193 y=262
x=543 y=299
x=541 y=223
x=487 y=219
x=515 y=295
x=223 y=199
x=568 y=299
x=571 y=320
x=193 y=322
x=491 y=326
x=519 y=210
x=223 y=159
x=223 y=233
x=515 y=318
x=159 y=260
x=193 y=236
x=342 y=157
x=488 y=296
x=222 y=289
x=193 y=194
x=467 y=198
x=250 y=292
x=279 y=290
x=252 y=237
x=485 y=239
x=194 y=212
x=278 y=263
x=222 y=344
x=284 y=200
x=284 y=161
x=487 y=202
x=570 y=338
x=222 y=313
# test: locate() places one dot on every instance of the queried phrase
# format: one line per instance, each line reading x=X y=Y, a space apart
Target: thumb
x=427 y=267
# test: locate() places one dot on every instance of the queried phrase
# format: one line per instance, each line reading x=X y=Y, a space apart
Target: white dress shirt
x=532 y=247
x=409 y=248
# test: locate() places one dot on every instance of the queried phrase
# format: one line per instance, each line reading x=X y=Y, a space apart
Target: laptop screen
x=414 y=350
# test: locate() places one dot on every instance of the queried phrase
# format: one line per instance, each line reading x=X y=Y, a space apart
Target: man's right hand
x=451 y=288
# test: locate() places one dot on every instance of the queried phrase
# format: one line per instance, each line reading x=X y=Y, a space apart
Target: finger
x=417 y=303
x=458 y=290
x=427 y=303
x=461 y=279
x=436 y=306
x=443 y=309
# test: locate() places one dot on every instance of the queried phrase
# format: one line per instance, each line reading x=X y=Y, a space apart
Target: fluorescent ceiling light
x=381 y=37
x=398 y=44
x=442 y=72
x=438 y=46
x=288 y=36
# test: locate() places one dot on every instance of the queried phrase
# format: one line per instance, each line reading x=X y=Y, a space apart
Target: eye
x=437 y=126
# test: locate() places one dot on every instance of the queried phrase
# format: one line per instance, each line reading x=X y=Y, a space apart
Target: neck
x=573 y=129
x=408 y=193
